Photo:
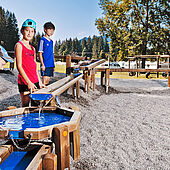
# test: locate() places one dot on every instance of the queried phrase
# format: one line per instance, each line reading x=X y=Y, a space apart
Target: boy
x=46 y=53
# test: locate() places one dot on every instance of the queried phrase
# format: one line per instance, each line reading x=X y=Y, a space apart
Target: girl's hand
x=31 y=87
x=41 y=85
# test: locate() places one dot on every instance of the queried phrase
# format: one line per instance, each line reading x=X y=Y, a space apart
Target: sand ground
x=128 y=128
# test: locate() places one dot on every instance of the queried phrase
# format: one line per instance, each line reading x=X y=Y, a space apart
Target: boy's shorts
x=49 y=71
x=23 y=87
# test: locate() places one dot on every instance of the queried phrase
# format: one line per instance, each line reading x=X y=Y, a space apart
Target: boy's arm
x=40 y=51
x=41 y=61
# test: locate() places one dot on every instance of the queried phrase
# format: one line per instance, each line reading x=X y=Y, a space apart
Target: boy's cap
x=29 y=23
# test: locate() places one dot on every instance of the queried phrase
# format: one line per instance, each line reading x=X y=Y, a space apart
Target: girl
x=28 y=77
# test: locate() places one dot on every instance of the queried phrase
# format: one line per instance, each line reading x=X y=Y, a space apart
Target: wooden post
x=158 y=66
x=88 y=79
x=107 y=80
x=50 y=162
x=78 y=89
x=76 y=144
x=68 y=65
x=102 y=76
x=168 y=79
x=62 y=149
x=93 y=79
x=85 y=80
x=74 y=91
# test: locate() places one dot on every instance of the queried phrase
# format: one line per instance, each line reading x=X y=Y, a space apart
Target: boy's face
x=49 y=31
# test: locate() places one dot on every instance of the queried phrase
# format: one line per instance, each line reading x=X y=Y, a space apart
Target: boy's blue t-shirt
x=46 y=47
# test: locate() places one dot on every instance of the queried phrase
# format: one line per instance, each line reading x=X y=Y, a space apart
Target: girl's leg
x=24 y=99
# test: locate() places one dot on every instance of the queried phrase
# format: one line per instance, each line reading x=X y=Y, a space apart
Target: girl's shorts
x=23 y=87
x=49 y=71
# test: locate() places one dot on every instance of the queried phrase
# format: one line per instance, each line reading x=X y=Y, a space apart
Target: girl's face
x=28 y=33
x=49 y=31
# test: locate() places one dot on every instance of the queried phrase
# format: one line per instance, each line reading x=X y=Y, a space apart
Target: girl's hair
x=49 y=25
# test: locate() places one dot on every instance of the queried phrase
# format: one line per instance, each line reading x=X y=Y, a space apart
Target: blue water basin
x=32 y=120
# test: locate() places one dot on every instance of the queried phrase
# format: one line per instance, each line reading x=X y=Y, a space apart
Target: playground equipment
x=59 y=124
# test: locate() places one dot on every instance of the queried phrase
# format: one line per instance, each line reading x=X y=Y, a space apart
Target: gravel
x=128 y=128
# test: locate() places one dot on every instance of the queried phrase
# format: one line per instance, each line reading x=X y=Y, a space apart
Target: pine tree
x=89 y=47
x=94 y=48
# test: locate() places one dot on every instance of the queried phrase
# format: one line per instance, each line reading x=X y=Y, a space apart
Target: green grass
x=61 y=68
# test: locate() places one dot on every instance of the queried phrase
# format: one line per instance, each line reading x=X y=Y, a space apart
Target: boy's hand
x=43 y=68
x=1 y=54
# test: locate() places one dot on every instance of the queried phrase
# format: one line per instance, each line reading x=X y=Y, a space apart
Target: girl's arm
x=18 y=54
x=40 y=82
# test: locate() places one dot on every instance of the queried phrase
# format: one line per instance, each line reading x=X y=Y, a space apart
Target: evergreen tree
x=94 y=48
x=100 y=45
x=89 y=47
x=8 y=29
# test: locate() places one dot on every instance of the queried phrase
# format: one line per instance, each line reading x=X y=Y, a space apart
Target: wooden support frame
x=106 y=70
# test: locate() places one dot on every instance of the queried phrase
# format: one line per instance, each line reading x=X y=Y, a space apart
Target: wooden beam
x=66 y=86
x=93 y=65
x=54 y=86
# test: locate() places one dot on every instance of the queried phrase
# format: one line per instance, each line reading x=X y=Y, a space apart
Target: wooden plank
x=54 y=86
x=66 y=86
x=93 y=65
x=12 y=112
x=36 y=163
x=151 y=56
x=50 y=161
x=5 y=151
x=37 y=133
x=62 y=149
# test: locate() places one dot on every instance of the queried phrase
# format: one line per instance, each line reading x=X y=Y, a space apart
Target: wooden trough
x=36 y=156
x=65 y=135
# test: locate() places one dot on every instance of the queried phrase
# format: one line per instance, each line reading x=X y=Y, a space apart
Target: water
x=32 y=120
x=18 y=160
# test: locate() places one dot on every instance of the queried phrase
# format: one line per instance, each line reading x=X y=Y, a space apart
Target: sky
x=72 y=18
